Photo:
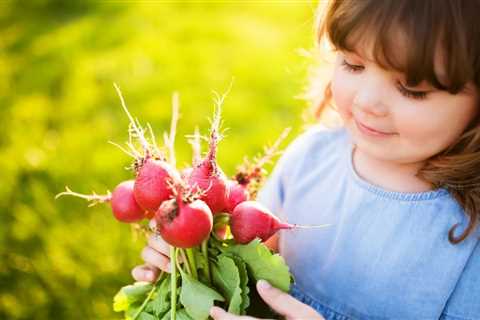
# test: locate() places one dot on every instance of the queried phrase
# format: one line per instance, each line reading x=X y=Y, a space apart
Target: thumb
x=283 y=303
x=218 y=313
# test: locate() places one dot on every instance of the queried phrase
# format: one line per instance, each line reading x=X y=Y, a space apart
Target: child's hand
x=283 y=303
x=156 y=256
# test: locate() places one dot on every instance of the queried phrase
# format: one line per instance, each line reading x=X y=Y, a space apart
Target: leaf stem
x=173 y=283
x=149 y=296
x=192 y=262
x=185 y=261
x=207 y=264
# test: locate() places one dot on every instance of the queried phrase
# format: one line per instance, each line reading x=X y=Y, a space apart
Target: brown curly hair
x=452 y=25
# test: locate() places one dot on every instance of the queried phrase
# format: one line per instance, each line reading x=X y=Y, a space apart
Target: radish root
x=135 y=130
x=93 y=198
x=194 y=141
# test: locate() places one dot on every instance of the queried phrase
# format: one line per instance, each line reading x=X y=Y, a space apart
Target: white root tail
x=194 y=141
x=215 y=135
x=93 y=198
x=272 y=151
x=312 y=226
x=173 y=127
x=135 y=129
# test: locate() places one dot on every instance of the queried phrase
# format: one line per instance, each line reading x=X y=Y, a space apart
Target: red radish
x=212 y=181
x=152 y=184
x=251 y=220
x=237 y=193
x=220 y=232
x=185 y=173
x=149 y=214
x=207 y=175
x=122 y=201
x=124 y=206
x=184 y=224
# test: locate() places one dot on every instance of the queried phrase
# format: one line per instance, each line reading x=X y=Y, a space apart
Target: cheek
x=431 y=128
x=342 y=94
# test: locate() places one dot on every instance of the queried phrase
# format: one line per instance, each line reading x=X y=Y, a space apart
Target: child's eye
x=351 y=67
x=419 y=95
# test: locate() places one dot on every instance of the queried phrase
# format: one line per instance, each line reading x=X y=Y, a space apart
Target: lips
x=371 y=131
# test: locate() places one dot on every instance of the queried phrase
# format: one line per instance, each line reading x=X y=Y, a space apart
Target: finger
x=152 y=224
x=155 y=258
x=219 y=314
x=157 y=243
x=145 y=273
x=284 y=303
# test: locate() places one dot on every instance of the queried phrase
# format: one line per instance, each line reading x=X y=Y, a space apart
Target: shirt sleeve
x=464 y=302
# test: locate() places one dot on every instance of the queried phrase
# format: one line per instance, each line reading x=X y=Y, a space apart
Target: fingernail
x=263 y=285
x=152 y=224
x=169 y=267
x=149 y=275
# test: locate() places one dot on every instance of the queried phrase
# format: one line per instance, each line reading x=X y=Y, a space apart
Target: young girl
x=399 y=181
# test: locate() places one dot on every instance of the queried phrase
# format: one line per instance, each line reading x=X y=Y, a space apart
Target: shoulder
x=315 y=143
x=318 y=135
x=305 y=152
x=464 y=300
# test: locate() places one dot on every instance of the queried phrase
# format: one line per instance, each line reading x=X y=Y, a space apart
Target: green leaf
x=200 y=259
x=226 y=277
x=242 y=268
x=197 y=298
x=167 y=316
x=160 y=302
x=235 y=305
x=130 y=294
x=132 y=310
x=181 y=314
x=146 y=316
x=263 y=264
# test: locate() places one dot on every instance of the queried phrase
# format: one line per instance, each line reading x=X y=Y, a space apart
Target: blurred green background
x=58 y=108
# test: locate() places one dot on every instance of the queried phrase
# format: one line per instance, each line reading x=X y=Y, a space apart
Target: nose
x=370 y=98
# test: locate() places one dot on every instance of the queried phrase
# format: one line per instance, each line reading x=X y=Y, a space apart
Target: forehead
x=393 y=54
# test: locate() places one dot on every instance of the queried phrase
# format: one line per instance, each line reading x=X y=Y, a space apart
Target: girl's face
x=390 y=121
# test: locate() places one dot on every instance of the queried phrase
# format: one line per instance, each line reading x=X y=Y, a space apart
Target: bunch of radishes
x=194 y=205
x=184 y=204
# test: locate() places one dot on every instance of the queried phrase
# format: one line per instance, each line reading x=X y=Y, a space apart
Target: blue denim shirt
x=386 y=255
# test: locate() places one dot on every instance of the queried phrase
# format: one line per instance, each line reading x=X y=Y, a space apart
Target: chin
x=380 y=150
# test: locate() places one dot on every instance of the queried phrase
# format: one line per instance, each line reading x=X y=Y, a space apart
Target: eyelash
x=418 y=95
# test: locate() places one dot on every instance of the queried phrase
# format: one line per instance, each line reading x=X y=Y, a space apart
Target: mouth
x=369 y=131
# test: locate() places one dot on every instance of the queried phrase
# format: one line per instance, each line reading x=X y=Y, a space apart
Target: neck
x=393 y=176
